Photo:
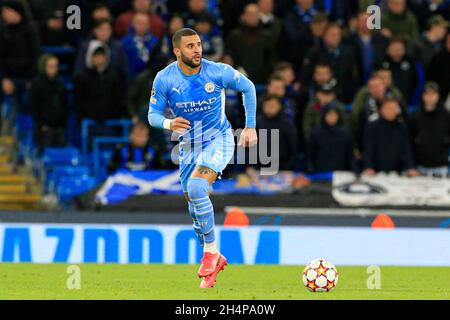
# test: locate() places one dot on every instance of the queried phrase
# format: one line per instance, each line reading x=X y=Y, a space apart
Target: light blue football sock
x=196 y=224
x=198 y=189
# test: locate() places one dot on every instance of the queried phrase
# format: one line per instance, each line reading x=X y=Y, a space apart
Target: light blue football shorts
x=214 y=154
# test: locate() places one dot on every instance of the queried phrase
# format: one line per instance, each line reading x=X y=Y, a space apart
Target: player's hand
x=248 y=138
x=180 y=124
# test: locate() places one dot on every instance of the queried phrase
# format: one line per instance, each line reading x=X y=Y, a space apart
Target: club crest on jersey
x=209 y=87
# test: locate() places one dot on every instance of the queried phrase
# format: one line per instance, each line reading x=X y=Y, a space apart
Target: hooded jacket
x=330 y=148
x=98 y=94
x=48 y=99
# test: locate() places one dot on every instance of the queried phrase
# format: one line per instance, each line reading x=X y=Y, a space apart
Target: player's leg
x=187 y=166
x=212 y=161
x=196 y=224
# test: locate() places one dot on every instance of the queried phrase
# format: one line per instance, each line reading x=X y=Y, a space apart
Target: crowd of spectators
x=344 y=96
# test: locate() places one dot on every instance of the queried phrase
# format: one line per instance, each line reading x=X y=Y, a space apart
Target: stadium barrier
x=175 y=244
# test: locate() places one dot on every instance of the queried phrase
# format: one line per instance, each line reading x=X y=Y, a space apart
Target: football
x=320 y=275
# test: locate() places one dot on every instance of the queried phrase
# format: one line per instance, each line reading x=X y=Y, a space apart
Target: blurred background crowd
x=344 y=97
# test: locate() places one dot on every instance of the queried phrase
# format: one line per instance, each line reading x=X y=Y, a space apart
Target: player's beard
x=190 y=62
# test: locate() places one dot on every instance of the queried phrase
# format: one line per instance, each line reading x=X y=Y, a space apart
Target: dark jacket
x=378 y=43
x=387 y=146
x=19 y=50
x=253 y=50
x=287 y=142
x=330 y=148
x=430 y=135
x=132 y=158
x=343 y=62
x=404 y=76
x=438 y=71
x=48 y=100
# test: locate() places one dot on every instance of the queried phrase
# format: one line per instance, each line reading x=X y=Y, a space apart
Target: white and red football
x=320 y=276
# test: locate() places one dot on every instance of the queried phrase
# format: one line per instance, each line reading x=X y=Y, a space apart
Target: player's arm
x=235 y=80
x=157 y=105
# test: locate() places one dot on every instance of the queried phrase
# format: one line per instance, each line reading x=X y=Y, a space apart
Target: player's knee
x=198 y=188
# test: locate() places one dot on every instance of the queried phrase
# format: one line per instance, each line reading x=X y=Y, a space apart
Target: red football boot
x=208 y=264
x=209 y=281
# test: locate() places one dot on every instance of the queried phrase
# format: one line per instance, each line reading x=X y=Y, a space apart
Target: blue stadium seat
x=56 y=173
x=61 y=156
x=70 y=187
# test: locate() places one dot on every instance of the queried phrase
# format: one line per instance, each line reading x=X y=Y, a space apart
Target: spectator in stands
x=197 y=9
x=430 y=133
x=212 y=42
x=98 y=94
x=430 y=42
x=339 y=56
x=175 y=23
x=425 y=9
x=268 y=20
x=386 y=143
x=399 y=21
x=322 y=75
x=296 y=36
x=138 y=96
x=369 y=48
x=272 y=118
x=330 y=144
x=19 y=51
x=48 y=104
x=124 y=21
x=381 y=70
x=138 y=155
x=101 y=11
x=117 y=60
x=277 y=87
x=404 y=73
x=438 y=71
x=325 y=98
x=365 y=107
x=251 y=47
x=141 y=46
x=341 y=11
x=319 y=25
x=49 y=15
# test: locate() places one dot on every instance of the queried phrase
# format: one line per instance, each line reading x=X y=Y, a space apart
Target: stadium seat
x=61 y=156
x=70 y=187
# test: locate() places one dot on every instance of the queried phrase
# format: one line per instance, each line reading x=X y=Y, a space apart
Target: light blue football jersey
x=200 y=98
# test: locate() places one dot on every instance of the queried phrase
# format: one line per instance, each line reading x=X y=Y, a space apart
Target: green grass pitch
x=173 y=282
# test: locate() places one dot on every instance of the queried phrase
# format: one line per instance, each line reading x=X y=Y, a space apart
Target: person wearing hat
x=430 y=42
x=430 y=133
x=325 y=97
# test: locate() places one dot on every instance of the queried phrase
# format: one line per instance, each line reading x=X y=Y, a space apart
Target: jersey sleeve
x=233 y=79
x=158 y=102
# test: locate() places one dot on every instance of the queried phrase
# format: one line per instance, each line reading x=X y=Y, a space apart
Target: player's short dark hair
x=185 y=32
